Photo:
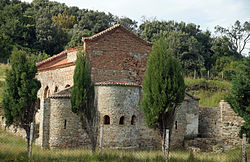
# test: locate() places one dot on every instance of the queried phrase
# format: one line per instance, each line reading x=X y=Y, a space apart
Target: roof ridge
x=112 y=28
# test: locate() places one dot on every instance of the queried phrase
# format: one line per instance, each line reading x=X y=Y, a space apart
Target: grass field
x=13 y=148
x=210 y=92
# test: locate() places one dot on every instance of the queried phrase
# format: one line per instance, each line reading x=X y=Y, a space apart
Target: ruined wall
x=230 y=125
x=186 y=122
x=209 y=122
x=221 y=123
x=17 y=131
x=65 y=126
x=118 y=56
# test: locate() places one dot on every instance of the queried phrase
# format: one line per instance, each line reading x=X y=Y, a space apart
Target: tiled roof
x=57 y=55
x=66 y=93
x=111 y=29
x=116 y=84
x=62 y=94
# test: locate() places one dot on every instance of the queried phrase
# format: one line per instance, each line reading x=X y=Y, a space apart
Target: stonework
x=118 y=61
x=221 y=123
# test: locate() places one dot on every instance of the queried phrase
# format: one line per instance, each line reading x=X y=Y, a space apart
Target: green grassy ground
x=13 y=148
x=210 y=92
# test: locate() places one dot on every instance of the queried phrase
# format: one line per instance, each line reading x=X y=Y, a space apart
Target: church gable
x=118 y=55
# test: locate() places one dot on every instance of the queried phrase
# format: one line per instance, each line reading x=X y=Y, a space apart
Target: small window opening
x=121 y=122
x=106 y=119
x=2 y=118
x=38 y=103
x=67 y=86
x=56 y=89
x=133 y=120
x=46 y=92
x=65 y=124
x=175 y=124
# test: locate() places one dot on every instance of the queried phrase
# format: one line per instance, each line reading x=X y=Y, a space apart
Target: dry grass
x=13 y=148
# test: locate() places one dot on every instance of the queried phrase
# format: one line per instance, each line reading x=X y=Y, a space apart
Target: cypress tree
x=82 y=97
x=163 y=90
x=20 y=94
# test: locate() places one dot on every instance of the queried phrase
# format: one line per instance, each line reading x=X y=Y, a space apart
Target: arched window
x=56 y=89
x=67 y=86
x=106 y=119
x=38 y=103
x=175 y=124
x=121 y=122
x=133 y=120
x=46 y=92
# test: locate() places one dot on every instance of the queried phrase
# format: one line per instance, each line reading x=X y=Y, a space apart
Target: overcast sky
x=206 y=13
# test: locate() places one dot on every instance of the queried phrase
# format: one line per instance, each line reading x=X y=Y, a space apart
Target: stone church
x=118 y=61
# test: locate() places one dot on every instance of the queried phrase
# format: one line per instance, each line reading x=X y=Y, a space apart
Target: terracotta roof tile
x=57 y=55
x=110 y=29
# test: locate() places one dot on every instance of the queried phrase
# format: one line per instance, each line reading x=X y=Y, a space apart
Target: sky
x=206 y=13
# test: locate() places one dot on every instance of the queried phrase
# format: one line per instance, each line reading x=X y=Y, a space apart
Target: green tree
x=20 y=95
x=163 y=89
x=238 y=34
x=82 y=97
x=77 y=36
x=239 y=95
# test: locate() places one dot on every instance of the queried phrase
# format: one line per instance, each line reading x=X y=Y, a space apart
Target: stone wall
x=186 y=122
x=118 y=102
x=230 y=125
x=60 y=78
x=209 y=122
x=15 y=130
x=65 y=126
x=221 y=123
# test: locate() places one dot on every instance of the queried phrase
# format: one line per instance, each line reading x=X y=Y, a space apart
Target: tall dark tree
x=163 y=89
x=20 y=95
x=239 y=95
x=82 y=97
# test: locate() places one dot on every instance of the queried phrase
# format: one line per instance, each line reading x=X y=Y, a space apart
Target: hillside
x=210 y=92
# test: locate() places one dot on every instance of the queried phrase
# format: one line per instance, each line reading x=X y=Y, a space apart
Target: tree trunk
x=91 y=134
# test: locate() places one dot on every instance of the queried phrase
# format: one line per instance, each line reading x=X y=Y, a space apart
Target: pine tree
x=82 y=97
x=239 y=95
x=20 y=95
x=163 y=90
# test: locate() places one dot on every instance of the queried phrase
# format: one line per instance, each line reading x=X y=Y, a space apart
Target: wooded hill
x=44 y=28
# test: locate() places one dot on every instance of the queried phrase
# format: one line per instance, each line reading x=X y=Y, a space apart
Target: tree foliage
x=239 y=95
x=20 y=93
x=238 y=34
x=82 y=97
x=163 y=88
